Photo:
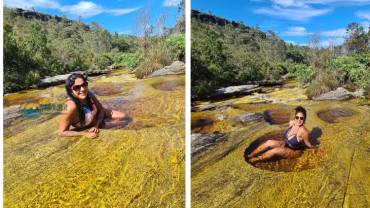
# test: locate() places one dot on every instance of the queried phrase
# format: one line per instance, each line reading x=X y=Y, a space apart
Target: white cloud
x=301 y=14
x=88 y=9
x=304 y=3
x=121 y=11
x=339 y=32
x=366 y=25
x=291 y=41
x=45 y=4
x=295 y=31
x=125 y=32
x=326 y=43
x=301 y=31
x=171 y=2
x=288 y=3
x=83 y=8
x=363 y=15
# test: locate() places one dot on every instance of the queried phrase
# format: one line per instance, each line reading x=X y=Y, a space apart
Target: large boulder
x=339 y=94
x=203 y=108
x=52 y=81
x=201 y=142
x=61 y=79
x=235 y=90
x=10 y=113
x=97 y=72
x=262 y=82
x=175 y=68
x=251 y=117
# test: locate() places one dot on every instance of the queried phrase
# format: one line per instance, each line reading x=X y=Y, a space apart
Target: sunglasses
x=302 y=118
x=77 y=88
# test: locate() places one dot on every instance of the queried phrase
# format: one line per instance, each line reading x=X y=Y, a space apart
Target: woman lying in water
x=83 y=109
x=295 y=136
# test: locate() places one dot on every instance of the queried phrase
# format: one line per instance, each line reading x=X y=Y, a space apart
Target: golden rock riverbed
x=222 y=177
x=138 y=163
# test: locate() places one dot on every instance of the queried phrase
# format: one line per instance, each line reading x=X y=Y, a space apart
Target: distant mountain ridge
x=206 y=18
x=27 y=14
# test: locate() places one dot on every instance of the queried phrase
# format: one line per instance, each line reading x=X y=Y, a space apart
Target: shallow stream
x=222 y=177
x=136 y=163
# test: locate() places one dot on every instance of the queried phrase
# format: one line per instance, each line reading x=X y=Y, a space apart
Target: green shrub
x=176 y=43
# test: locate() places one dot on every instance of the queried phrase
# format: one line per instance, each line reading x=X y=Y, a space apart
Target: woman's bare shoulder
x=71 y=106
x=303 y=130
x=291 y=122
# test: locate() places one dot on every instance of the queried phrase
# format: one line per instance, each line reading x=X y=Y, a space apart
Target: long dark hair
x=301 y=109
x=69 y=83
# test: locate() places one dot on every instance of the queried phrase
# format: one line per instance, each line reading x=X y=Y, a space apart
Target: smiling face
x=82 y=93
x=298 y=121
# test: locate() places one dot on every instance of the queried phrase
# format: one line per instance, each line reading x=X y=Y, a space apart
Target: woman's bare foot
x=253 y=160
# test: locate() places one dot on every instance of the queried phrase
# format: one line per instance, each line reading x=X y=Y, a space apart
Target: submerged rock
x=339 y=94
x=175 y=68
x=251 y=117
x=235 y=90
x=201 y=142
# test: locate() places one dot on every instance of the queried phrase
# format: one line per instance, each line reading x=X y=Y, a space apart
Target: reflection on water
x=135 y=162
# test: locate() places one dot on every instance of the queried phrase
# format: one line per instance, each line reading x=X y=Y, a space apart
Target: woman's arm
x=100 y=111
x=303 y=133
x=66 y=119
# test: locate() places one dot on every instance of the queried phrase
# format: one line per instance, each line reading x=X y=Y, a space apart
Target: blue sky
x=117 y=15
x=294 y=19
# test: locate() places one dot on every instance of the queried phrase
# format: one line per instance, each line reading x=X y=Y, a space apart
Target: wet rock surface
x=339 y=94
x=262 y=83
x=169 y=85
x=336 y=115
x=221 y=176
x=278 y=115
x=279 y=164
x=251 y=117
x=175 y=68
x=201 y=142
x=11 y=113
x=107 y=89
x=235 y=91
x=202 y=125
x=55 y=80
x=61 y=79
x=81 y=172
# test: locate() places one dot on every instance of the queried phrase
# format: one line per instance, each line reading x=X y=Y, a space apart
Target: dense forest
x=225 y=52
x=37 y=45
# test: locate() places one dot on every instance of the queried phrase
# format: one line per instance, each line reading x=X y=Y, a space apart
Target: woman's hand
x=94 y=129
x=91 y=135
x=320 y=151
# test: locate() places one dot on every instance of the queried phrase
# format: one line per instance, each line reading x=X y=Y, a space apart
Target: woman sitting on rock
x=83 y=110
x=295 y=136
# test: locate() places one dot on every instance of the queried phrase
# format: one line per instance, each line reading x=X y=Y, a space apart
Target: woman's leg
x=270 y=144
x=109 y=113
x=280 y=151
